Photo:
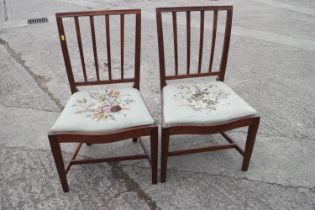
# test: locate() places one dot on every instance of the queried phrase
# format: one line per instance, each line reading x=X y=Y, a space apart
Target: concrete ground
x=271 y=65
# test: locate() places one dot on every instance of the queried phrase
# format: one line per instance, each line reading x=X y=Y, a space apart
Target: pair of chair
x=108 y=115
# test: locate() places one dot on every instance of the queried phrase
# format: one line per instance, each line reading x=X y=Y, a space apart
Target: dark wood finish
x=188 y=10
x=188 y=40
x=202 y=24
x=250 y=141
x=74 y=155
x=122 y=46
x=201 y=149
x=109 y=159
x=161 y=47
x=108 y=137
x=56 y=151
x=145 y=149
x=226 y=45
x=99 y=13
x=56 y=138
x=101 y=138
x=214 y=35
x=206 y=129
x=91 y=14
x=193 y=8
x=65 y=53
x=175 y=41
x=164 y=152
x=154 y=154
x=191 y=75
x=109 y=62
x=137 y=51
x=94 y=47
x=202 y=129
x=77 y=29
x=229 y=139
x=103 y=82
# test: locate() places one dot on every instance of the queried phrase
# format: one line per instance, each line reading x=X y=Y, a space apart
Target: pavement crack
x=40 y=80
x=117 y=172
x=132 y=185
x=265 y=135
x=32 y=108
x=244 y=178
x=117 y=195
x=230 y=177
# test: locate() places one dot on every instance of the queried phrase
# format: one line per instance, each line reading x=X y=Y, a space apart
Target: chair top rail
x=97 y=13
x=194 y=8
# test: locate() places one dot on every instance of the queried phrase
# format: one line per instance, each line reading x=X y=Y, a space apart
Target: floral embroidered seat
x=200 y=108
x=108 y=114
x=212 y=102
x=103 y=111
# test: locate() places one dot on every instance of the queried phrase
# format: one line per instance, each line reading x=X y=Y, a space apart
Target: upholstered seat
x=103 y=111
x=202 y=103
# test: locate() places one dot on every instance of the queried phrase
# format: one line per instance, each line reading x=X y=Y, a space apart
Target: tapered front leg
x=135 y=139
x=250 y=141
x=164 y=153
x=56 y=151
x=154 y=153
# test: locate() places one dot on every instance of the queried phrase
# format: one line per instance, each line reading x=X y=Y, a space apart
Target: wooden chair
x=103 y=115
x=202 y=108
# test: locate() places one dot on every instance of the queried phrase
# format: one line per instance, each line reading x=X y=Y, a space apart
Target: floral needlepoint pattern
x=104 y=105
x=200 y=97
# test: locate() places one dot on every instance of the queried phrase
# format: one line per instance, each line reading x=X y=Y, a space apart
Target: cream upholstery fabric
x=103 y=111
x=202 y=103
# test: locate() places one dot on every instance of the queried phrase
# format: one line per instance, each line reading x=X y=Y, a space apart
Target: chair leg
x=164 y=153
x=135 y=139
x=88 y=144
x=250 y=141
x=154 y=153
x=55 y=148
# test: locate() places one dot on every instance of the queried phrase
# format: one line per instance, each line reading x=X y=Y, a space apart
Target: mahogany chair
x=105 y=114
x=201 y=108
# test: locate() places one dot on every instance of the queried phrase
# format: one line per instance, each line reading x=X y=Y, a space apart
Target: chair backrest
x=198 y=72
x=89 y=17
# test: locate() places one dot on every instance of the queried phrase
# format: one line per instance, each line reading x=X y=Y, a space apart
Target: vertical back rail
x=202 y=20
x=161 y=48
x=65 y=53
x=137 y=50
x=122 y=34
x=214 y=34
x=108 y=47
x=211 y=70
x=94 y=47
x=78 y=32
x=226 y=44
x=188 y=40
x=83 y=59
x=175 y=42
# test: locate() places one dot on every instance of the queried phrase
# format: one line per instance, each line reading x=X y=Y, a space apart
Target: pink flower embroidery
x=104 y=105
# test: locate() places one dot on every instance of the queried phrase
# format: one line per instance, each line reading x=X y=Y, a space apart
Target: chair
x=102 y=115
x=201 y=108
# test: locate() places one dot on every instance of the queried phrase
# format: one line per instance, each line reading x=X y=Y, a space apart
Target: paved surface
x=271 y=65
